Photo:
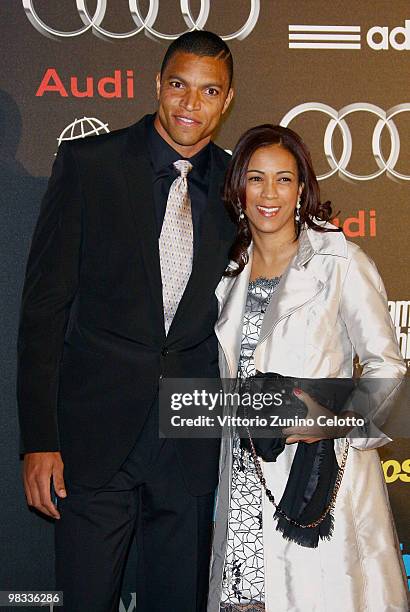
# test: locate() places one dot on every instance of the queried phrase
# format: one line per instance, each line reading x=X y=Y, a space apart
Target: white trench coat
x=330 y=305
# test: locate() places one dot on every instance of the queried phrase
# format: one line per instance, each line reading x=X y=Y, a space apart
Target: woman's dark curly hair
x=234 y=193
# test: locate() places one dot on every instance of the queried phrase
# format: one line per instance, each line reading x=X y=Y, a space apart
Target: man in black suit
x=96 y=336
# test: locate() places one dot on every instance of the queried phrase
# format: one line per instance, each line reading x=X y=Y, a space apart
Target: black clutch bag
x=263 y=427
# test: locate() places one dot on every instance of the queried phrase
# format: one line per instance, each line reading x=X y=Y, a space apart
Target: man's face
x=193 y=94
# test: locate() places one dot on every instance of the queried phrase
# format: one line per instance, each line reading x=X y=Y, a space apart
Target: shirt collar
x=163 y=155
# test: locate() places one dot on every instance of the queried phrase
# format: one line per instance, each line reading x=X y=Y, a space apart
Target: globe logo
x=80 y=128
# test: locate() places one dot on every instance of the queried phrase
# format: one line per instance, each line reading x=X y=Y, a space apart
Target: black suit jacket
x=92 y=345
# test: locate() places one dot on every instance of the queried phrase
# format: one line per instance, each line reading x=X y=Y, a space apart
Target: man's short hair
x=200 y=42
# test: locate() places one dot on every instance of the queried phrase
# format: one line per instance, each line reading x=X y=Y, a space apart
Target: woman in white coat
x=300 y=301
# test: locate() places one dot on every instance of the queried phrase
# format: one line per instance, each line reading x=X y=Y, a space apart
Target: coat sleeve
x=49 y=289
x=365 y=313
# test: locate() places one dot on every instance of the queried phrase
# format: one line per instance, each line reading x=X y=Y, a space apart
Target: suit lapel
x=138 y=171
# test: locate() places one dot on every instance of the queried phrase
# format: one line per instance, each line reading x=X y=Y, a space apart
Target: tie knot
x=183 y=166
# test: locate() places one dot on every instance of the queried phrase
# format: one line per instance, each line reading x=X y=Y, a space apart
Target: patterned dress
x=243 y=577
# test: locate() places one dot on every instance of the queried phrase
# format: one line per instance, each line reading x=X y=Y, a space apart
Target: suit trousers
x=147 y=498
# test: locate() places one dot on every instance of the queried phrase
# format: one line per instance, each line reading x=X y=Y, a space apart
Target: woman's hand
x=314 y=433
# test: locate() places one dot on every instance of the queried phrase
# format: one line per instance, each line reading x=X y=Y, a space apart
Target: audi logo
x=337 y=118
x=146 y=24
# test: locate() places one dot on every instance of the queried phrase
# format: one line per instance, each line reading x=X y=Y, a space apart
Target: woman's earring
x=241 y=214
x=297 y=211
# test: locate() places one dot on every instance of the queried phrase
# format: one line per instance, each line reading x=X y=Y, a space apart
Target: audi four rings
x=143 y=23
x=337 y=118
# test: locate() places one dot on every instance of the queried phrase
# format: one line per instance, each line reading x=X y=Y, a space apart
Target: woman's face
x=272 y=190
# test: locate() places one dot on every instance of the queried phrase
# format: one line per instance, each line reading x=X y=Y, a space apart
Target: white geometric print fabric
x=176 y=243
x=243 y=587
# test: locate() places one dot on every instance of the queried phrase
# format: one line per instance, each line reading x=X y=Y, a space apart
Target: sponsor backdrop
x=336 y=72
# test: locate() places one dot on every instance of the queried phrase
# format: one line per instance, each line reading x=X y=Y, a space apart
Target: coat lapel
x=231 y=294
x=296 y=288
x=299 y=285
x=138 y=171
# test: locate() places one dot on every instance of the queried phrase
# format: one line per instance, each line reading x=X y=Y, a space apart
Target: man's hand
x=39 y=469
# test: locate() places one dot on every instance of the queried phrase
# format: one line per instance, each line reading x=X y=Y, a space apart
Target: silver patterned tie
x=176 y=243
